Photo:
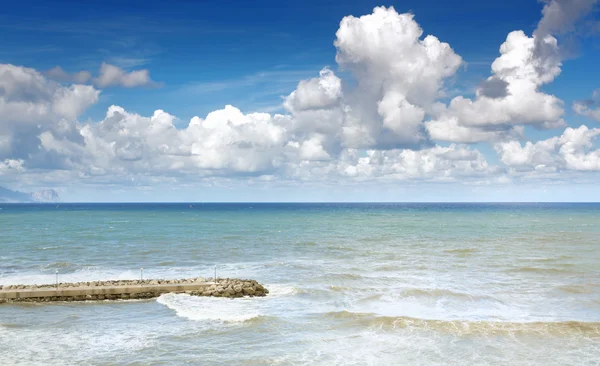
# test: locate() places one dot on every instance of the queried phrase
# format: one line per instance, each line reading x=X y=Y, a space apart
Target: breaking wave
x=210 y=309
x=469 y=327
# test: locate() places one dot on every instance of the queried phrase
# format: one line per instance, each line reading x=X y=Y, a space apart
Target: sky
x=312 y=101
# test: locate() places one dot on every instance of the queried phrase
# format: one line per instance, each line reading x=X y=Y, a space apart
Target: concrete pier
x=123 y=290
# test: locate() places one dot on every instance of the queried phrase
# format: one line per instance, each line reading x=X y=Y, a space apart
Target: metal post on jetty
x=57 y=279
x=142 y=276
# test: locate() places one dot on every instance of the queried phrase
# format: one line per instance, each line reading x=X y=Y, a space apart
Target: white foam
x=395 y=304
x=281 y=290
x=211 y=308
x=61 y=346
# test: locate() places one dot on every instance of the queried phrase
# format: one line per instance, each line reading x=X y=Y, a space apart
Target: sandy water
x=351 y=284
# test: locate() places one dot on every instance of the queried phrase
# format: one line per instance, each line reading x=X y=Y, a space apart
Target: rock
x=229 y=291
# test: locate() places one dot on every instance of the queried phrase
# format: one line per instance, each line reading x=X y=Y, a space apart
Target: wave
x=541 y=270
x=472 y=327
x=434 y=293
x=547 y=259
x=389 y=268
x=283 y=290
x=57 y=265
x=461 y=251
x=51 y=248
x=341 y=276
x=580 y=289
x=210 y=309
x=439 y=292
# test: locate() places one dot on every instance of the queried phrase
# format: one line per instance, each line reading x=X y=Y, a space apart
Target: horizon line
x=284 y=202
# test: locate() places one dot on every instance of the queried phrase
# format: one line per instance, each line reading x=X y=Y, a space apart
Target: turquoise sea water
x=372 y=284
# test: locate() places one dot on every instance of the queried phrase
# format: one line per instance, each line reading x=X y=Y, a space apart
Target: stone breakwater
x=130 y=289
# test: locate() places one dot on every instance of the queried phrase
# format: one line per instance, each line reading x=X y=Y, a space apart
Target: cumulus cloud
x=317 y=93
x=436 y=163
x=225 y=142
x=31 y=104
x=589 y=108
x=511 y=97
x=573 y=150
x=518 y=74
x=379 y=125
x=399 y=75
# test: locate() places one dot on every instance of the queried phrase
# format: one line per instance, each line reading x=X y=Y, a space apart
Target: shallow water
x=350 y=283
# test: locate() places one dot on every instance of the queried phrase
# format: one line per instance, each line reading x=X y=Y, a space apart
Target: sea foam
x=211 y=309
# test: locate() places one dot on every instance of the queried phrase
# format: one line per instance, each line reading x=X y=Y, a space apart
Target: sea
x=350 y=283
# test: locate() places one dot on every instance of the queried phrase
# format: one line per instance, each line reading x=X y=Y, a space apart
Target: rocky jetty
x=131 y=289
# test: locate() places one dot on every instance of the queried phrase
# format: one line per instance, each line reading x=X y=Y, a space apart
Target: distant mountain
x=45 y=195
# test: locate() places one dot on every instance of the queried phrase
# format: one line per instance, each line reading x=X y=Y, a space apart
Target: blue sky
x=202 y=56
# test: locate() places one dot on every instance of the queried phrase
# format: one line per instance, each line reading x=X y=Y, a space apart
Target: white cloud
x=317 y=93
x=228 y=143
x=398 y=74
x=522 y=73
x=448 y=128
x=398 y=77
x=224 y=143
x=573 y=150
x=511 y=96
x=30 y=104
x=379 y=126
x=111 y=75
x=11 y=166
x=437 y=163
